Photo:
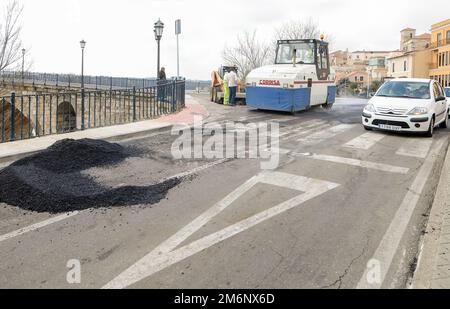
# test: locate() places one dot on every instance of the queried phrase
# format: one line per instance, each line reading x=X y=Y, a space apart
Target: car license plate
x=389 y=127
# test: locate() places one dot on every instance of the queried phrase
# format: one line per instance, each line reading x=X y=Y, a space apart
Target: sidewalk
x=433 y=270
x=14 y=150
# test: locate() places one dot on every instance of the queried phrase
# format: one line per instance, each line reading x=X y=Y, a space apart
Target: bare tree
x=248 y=54
x=10 y=43
x=297 y=30
x=294 y=30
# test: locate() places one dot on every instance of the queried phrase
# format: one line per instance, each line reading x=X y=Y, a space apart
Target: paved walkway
x=10 y=151
x=434 y=263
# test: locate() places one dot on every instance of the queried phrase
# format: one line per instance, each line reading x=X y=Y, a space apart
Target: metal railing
x=72 y=80
x=29 y=116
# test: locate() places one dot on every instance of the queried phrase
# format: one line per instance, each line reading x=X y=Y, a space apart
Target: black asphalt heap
x=51 y=180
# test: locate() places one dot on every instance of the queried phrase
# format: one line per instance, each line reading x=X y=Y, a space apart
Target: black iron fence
x=29 y=116
x=72 y=80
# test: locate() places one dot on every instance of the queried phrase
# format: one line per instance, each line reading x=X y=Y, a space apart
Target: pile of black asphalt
x=52 y=181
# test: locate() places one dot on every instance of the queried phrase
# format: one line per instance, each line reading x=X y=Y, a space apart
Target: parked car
x=411 y=105
x=447 y=94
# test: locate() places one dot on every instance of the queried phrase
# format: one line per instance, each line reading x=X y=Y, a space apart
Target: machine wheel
x=327 y=106
x=444 y=125
x=430 y=129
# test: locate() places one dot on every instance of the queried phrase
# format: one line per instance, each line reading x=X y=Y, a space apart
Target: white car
x=447 y=94
x=409 y=105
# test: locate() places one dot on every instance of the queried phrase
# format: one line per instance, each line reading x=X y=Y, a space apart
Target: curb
x=429 y=249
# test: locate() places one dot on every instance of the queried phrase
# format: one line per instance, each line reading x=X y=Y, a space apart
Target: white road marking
x=389 y=244
x=197 y=169
x=37 y=226
x=355 y=162
x=165 y=255
x=415 y=147
x=304 y=126
x=318 y=137
x=365 y=141
x=306 y=132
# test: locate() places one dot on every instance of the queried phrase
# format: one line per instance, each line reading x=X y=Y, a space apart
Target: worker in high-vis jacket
x=226 y=89
x=232 y=85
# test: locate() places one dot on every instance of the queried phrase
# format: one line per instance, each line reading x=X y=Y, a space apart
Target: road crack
x=340 y=279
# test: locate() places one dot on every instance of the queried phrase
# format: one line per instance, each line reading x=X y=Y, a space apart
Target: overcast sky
x=120 y=40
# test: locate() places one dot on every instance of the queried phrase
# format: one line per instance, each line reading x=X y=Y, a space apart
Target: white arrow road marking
x=165 y=255
x=417 y=148
x=37 y=226
x=365 y=141
x=391 y=240
x=355 y=162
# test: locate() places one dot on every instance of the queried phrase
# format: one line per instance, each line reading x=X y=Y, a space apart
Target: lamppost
x=83 y=45
x=159 y=28
x=23 y=64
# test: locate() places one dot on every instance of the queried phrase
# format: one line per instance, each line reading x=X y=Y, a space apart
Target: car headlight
x=370 y=108
x=418 y=111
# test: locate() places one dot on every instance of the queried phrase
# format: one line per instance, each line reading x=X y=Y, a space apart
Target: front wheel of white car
x=430 y=129
x=444 y=124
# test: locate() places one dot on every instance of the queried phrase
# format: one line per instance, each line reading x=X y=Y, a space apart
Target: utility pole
x=177 y=33
x=23 y=65
x=83 y=46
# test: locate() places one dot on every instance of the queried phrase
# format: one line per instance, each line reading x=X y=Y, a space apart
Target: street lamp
x=159 y=28
x=23 y=64
x=83 y=45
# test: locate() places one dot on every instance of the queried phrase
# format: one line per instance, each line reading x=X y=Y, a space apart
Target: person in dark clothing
x=162 y=80
x=162 y=75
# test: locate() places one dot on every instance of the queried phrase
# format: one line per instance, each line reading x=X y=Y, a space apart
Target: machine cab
x=305 y=52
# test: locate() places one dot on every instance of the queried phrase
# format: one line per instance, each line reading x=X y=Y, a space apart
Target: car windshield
x=447 y=92
x=411 y=90
x=304 y=53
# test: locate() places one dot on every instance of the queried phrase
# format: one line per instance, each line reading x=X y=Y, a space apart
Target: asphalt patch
x=51 y=180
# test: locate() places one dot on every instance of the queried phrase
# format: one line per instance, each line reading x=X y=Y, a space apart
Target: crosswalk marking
x=355 y=162
x=318 y=137
x=417 y=148
x=304 y=126
x=365 y=141
x=299 y=134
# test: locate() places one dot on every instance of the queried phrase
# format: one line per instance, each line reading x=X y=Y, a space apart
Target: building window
x=356 y=78
x=439 y=39
x=361 y=79
x=448 y=37
x=405 y=66
x=393 y=67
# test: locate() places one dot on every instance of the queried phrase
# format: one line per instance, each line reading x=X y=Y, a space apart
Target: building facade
x=440 y=53
x=413 y=60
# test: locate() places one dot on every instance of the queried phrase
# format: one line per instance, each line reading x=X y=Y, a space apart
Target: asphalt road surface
x=345 y=209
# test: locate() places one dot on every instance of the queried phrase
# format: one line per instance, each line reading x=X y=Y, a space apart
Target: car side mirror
x=439 y=99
